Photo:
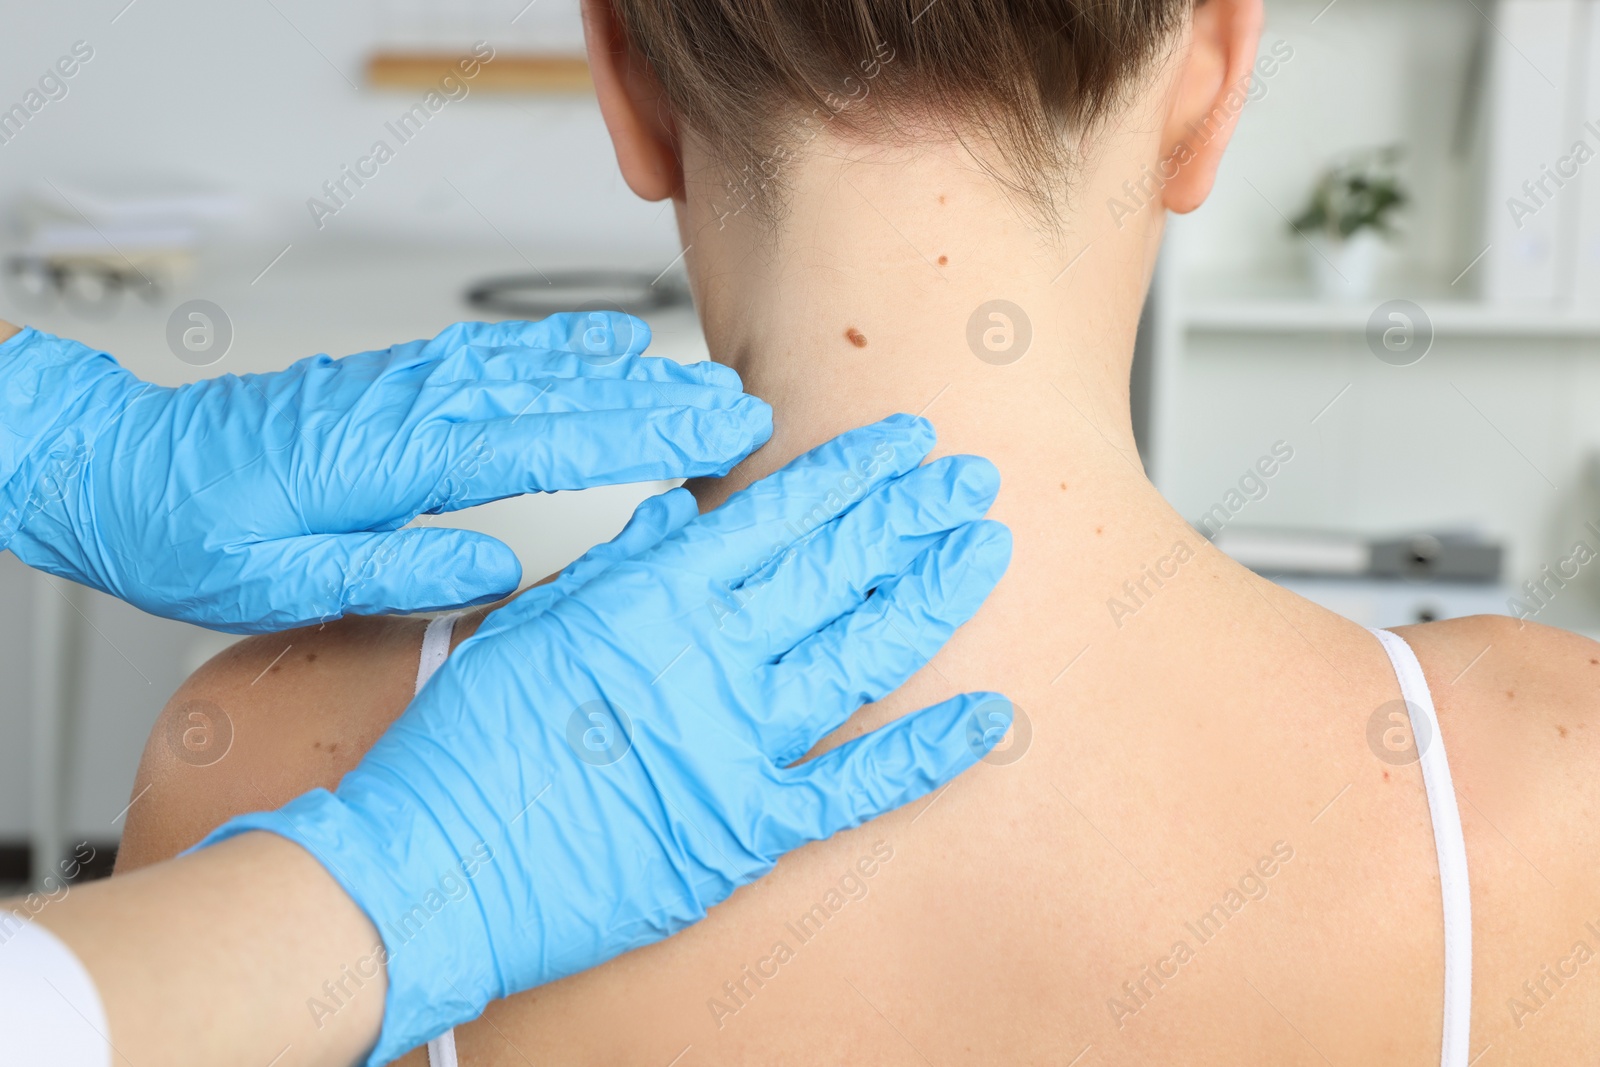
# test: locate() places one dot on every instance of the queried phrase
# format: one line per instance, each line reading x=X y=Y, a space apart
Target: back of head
x=758 y=79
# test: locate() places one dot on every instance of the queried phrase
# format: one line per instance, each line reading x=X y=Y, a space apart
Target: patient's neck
x=860 y=302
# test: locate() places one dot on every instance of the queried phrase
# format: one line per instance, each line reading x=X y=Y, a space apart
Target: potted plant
x=1352 y=212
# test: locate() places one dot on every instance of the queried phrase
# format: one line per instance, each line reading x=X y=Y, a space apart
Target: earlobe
x=1212 y=87
x=632 y=106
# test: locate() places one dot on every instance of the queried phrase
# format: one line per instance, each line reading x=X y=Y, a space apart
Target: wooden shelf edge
x=506 y=73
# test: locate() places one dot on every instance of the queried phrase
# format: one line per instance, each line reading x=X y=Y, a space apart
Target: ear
x=633 y=106
x=1210 y=91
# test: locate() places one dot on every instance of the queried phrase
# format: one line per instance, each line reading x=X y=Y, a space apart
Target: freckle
x=856 y=337
x=1386 y=776
x=274 y=669
x=1099 y=529
x=1562 y=730
x=941 y=198
x=332 y=748
x=316 y=744
x=944 y=261
x=311 y=657
x=1510 y=695
x=1593 y=662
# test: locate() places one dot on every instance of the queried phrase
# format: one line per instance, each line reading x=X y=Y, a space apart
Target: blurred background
x=1407 y=228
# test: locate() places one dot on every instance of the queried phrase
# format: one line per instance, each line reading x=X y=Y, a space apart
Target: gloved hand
x=599 y=764
x=258 y=503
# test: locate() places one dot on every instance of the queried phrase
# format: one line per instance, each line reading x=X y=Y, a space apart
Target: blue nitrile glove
x=599 y=764
x=262 y=502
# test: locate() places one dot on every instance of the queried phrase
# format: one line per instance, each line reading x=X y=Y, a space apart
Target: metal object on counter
x=1440 y=557
x=533 y=296
x=1429 y=557
x=1377 y=581
x=89 y=287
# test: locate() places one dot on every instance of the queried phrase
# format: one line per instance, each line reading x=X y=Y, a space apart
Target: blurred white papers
x=130 y=221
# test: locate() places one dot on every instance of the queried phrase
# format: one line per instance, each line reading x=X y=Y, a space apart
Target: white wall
x=233 y=93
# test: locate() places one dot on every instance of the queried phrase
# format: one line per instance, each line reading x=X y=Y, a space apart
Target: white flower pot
x=1345 y=270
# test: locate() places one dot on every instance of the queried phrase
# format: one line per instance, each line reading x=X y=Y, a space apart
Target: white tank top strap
x=1448 y=842
x=435 y=650
x=442 y=1050
x=435 y=647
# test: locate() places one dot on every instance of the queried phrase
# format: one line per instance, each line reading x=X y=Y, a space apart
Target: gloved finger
x=599 y=343
x=600 y=335
x=756 y=526
x=869 y=653
x=519 y=363
x=597 y=335
x=886 y=769
x=604 y=342
x=832 y=571
x=652 y=522
x=655 y=519
x=291 y=582
x=578 y=450
x=481 y=400
x=429 y=569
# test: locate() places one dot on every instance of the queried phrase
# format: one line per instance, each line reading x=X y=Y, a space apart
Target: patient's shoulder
x=1518 y=715
x=1509 y=663
x=1517 y=706
x=265 y=720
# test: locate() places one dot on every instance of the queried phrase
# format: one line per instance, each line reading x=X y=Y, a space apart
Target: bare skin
x=1219 y=729
x=168 y=940
x=8 y=331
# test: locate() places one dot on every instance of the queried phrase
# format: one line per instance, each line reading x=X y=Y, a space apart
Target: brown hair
x=753 y=77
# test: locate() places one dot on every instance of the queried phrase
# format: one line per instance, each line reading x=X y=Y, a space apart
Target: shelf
x=1449 y=317
x=411 y=71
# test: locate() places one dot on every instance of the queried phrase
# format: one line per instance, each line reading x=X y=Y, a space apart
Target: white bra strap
x=1448 y=842
x=442 y=1050
x=435 y=650
x=435 y=647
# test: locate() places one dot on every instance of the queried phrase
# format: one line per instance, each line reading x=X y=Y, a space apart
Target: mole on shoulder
x=856 y=337
x=944 y=261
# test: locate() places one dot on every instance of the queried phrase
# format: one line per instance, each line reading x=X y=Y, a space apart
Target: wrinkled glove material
x=613 y=754
x=258 y=502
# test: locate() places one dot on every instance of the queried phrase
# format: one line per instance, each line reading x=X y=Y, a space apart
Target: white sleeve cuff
x=50 y=1011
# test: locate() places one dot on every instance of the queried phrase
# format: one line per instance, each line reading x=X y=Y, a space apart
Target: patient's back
x=1202 y=850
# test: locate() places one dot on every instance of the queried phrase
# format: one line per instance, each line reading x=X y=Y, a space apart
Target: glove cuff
x=43 y=380
x=435 y=946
